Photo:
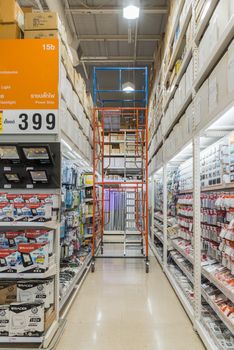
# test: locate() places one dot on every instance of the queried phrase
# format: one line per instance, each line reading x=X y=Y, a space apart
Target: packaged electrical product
x=14 y=238
x=33 y=257
x=34 y=290
x=41 y=236
x=26 y=319
x=8 y=291
x=6 y=212
x=4 y=320
x=22 y=212
x=8 y=260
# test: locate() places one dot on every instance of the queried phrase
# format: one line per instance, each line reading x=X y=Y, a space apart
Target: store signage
x=29 y=86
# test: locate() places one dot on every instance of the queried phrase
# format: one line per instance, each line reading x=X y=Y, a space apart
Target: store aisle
x=120 y=307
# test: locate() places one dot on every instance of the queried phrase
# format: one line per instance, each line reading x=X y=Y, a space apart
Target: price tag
x=29 y=122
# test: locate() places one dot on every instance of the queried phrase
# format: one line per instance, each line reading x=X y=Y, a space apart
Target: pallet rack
x=131 y=177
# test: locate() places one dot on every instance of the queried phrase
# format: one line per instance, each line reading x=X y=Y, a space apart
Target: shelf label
x=29 y=86
x=29 y=121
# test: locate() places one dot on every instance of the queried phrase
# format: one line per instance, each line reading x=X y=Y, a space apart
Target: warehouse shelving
x=211 y=4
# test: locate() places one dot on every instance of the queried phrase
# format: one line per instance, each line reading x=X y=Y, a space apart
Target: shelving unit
x=184 y=131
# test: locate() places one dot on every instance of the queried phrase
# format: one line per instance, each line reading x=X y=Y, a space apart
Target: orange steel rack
x=130 y=126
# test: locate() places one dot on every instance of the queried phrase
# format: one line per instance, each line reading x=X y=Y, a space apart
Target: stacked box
x=11 y=20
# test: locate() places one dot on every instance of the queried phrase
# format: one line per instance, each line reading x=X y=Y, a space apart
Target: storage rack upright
x=129 y=178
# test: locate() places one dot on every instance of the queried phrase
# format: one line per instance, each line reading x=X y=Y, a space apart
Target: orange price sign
x=29 y=85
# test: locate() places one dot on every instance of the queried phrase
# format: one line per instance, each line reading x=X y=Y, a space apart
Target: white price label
x=29 y=122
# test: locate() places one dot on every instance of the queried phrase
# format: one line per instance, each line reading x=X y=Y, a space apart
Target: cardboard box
x=10 y=31
x=26 y=9
x=8 y=292
x=10 y=12
x=26 y=319
x=41 y=21
x=50 y=316
x=41 y=34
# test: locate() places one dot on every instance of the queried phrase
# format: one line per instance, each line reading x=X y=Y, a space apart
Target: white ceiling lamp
x=131 y=12
x=128 y=87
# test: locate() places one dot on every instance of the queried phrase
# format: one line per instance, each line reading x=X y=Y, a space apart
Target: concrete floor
x=120 y=307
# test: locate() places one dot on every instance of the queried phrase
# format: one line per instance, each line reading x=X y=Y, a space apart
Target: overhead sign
x=29 y=86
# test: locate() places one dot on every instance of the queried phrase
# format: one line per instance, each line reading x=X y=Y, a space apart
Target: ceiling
x=107 y=39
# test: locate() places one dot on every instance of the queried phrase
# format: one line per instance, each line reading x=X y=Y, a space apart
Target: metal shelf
x=155 y=252
x=205 y=336
x=183 y=269
x=216 y=54
x=179 y=41
x=29 y=224
x=160 y=238
x=183 y=68
x=184 y=301
x=158 y=226
x=226 y=291
x=219 y=313
x=24 y=275
x=73 y=284
x=181 y=251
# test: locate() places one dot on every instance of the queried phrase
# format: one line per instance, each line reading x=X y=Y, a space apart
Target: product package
x=8 y=261
x=34 y=291
x=26 y=319
x=6 y=212
x=4 y=320
x=41 y=236
x=14 y=238
x=10 y=12
x=42 y=21
x=8 y=292
x=33 y=257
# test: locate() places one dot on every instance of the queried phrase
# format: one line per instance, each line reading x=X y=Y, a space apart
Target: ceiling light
x=128 y=87
x=131 y=12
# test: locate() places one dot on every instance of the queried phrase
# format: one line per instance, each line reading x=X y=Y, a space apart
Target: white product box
x=201 y=115
x=230 y=66
x=41 y=236
x=220 y=17
x=4 y=320
x=176 y=104
x=26 y=319
x=35 y=290
x=9 y=260
x=182 y=89
x=217 y=86
x=33 y=258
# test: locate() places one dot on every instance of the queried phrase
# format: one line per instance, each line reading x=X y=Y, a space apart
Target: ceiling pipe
x=111 y=11
x=107 y=37
x=73 y=42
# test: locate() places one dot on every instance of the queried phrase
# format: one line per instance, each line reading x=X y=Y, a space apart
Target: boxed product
x=41 y=34
x=41 y=236
x=4 y=320
x=8 y=292
x=26 y=319
x=36 y=290
x=10 y=12
x=10 y=31
x=14 y=238
x=8 y=260
x=33 y=257
x=6 y=212
x=41 y=21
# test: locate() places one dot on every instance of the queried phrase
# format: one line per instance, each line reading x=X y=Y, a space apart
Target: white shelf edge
x=21 y=224
x=20 y=340
x=184 y=301
x=159 y=237
x=216 y=53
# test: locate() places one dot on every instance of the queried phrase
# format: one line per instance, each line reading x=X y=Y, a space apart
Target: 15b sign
x=29 y=121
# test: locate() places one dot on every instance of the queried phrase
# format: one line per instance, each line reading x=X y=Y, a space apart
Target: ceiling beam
x=107 y=37
x=159 y=10
x=114 y=59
